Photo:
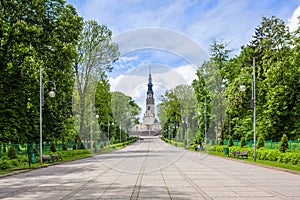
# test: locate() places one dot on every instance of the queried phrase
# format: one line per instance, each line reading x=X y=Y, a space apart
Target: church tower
x=149 y=116
x=150 y=125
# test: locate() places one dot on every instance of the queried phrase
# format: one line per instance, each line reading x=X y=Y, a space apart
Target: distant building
x=150 y=125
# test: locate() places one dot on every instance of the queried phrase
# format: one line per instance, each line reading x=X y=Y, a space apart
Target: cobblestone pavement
x=152 y=169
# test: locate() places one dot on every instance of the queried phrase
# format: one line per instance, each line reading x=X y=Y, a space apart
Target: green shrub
x=260 y=142
x=218 y=148
x=64 y=147
x=14 y=162
x=12 y=153
x=74 y=147
x=284 y=143
x=230 y=142
x=52 y=147
x=243 y=142
x=287 y=157
x=221 y=142
x=295 y=158
x=82 y=146
x=36 y=152
x=23 y=158
x=272 y=155
x=101 y=145
x=4 y=164
x=261 y=154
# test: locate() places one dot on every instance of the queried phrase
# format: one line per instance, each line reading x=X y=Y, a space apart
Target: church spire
x=150 y=82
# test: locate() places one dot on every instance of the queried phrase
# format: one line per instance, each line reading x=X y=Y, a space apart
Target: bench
x=236 y=153
x=239 y=154
x=56 y=157
x=46 y=157
x=244 y=153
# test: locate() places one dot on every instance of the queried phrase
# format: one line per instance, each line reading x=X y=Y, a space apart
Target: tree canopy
x=36 y=35
x=229 y=111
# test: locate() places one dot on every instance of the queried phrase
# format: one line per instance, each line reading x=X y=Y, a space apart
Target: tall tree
x=203 y=100
x=169 y=114
x=33 y=35
x=213 y=77
x=277 y=85
x=96 y=53
x=124 y=110
x=179 y=108
x=277 y=78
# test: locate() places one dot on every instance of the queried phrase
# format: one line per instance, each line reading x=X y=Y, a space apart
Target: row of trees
x=276 y=51
x=73 y=53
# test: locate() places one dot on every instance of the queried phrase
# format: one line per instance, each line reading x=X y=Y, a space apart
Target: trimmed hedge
x=292 y=157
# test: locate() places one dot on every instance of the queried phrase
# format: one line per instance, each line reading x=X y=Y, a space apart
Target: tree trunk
x=82 y=109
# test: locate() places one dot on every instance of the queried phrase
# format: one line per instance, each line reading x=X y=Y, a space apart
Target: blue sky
x=203 y=20
x=190 y=21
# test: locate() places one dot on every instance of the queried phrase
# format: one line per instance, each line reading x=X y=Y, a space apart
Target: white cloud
x=134 y=83
x=162 y=39
x=125 y=62
x=293 y=21
x=201 y=20
x=114 y=81
x=188 y=72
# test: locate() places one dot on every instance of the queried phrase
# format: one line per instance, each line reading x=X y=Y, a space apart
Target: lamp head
x=242 y=88
x=52 y=93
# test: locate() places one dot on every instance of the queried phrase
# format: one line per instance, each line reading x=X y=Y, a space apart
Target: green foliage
x=33 y=35
x=14 y=162
x=12 y=153
x=260 y=142
x=230 y=142
x=4 y=164
x=52 y=36
x=95 y=55
x=277 y=83
x=82 y=146
x=52 y=147
x=64 y=147
x=243 y=142
x=264 y=154
x=276 y=155
x=178 y=114
x=284 y=143
x=124 y=110
x=221 y=141
x=70 y=153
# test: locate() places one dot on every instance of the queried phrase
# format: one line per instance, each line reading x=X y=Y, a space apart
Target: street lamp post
x=51 y=94
x=205 y=139
x=187 y=132
x=253 y=103
x=91 y=127
x=108 y=132
x=120 y=132
x=97 y=117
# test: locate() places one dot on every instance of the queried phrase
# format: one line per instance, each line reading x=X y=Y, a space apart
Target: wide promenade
x=152 y=169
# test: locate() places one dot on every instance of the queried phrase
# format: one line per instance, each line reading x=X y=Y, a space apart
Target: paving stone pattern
x=152 y=169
